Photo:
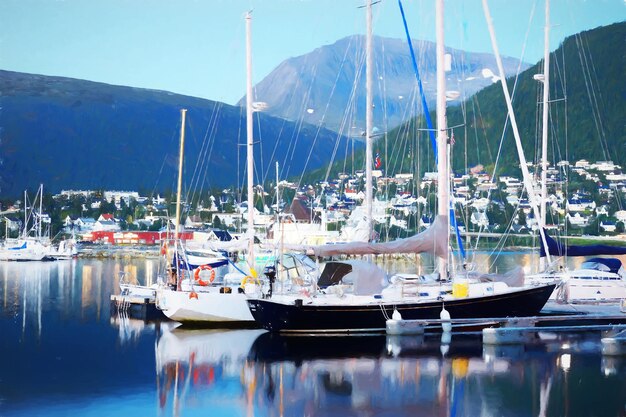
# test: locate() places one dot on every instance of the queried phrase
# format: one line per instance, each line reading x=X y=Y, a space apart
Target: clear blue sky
x=197 y=47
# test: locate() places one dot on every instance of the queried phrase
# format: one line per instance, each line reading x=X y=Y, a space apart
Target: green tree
x=593 y=227
x=156 y=226
x=217 y=223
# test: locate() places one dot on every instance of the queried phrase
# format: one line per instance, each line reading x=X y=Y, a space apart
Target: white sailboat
x=337 y=309
x=598 y=279
x=221 y=301
x=34 y=244
x=178 y=258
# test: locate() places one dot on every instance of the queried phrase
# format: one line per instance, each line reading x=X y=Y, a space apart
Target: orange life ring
x=164 y=249
x=196 y=275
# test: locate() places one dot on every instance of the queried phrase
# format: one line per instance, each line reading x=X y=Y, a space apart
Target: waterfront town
x=584 y=198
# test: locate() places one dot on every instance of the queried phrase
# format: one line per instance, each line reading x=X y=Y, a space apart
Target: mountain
x=327 y=86
x=588 y=103
x=76 y=134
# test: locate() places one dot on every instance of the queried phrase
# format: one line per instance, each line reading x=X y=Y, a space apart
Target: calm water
x=62 y=353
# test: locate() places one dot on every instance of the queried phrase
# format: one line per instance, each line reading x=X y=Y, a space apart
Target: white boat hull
x=607 y=290
x=582 y=286
x=208 y=307
x=21 y=255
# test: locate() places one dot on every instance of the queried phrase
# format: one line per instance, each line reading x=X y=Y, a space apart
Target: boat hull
x=296 y=317
x=584 y=286
x=205 y=307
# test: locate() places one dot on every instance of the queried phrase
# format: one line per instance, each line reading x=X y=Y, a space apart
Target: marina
x=399 y=219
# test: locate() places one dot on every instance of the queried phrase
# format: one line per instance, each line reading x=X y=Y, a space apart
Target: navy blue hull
x=275 y=316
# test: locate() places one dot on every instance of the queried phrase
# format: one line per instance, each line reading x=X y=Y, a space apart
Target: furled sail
x=557 y=249
x=431 y=240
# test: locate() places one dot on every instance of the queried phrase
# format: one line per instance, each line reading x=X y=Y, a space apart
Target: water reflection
x=83 y=287
x=245 y=372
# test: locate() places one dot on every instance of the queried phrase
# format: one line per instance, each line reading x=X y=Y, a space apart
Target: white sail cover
x=431 y=240
x=366 y=278
x=235 y=245
x=513 y=278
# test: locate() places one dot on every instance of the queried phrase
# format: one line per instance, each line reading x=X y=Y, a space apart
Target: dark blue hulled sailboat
x=360 y=304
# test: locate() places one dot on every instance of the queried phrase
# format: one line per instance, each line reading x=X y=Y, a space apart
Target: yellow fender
x=249 y=279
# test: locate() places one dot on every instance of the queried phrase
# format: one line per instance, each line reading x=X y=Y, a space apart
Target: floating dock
x=518 y=330
x=136 y=307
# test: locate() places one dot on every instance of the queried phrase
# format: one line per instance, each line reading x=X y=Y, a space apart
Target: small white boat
x=23 y=250
x=597 y=280
x=65 y=250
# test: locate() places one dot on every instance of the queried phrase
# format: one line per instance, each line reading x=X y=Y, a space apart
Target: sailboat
x=35 y=244
x=176 y=258
x=598 y=279
x=337 y=310
x=206 y=299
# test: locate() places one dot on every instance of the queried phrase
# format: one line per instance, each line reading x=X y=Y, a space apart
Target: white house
x=117 y=196
x=582 y=163
x=84 y=224
x=479 y=218
x=580 y=204
x=578 y=220
x=106 y=226
x=608 y=227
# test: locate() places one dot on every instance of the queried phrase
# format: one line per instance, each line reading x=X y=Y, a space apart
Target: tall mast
x=250 y=142
x=369 y=116
x=544 y=127
x=443 y=204
x=183 y=113
x=543 y=218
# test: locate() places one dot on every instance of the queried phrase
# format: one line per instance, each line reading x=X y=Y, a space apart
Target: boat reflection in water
x=252 y=372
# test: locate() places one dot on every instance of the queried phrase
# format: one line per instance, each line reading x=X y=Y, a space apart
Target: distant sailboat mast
x=39 y=234
x=25 y=228
x=250 y=142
